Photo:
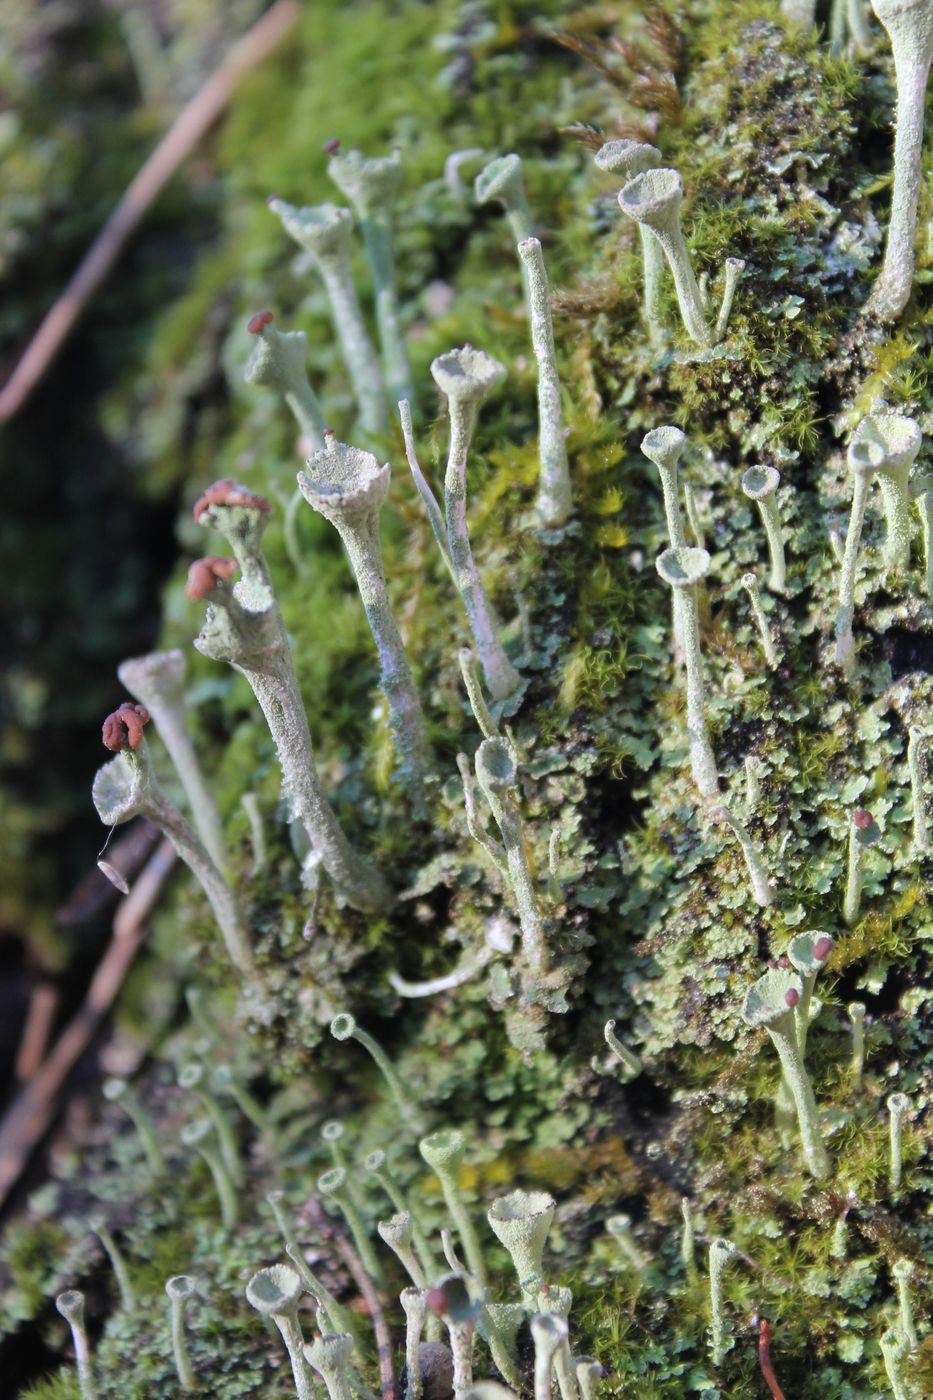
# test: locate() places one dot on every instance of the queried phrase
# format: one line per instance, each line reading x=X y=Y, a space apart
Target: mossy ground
x=783 y=151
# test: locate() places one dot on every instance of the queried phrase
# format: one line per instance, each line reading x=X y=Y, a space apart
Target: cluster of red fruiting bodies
x=125 y=726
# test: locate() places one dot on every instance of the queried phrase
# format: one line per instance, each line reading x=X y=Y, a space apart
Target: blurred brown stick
x=43 y=1004
x=182 y=136
x=27 y=1119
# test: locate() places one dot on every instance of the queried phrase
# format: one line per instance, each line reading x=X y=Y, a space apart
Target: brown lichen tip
x=124 y=727
x=861 y=819
x=330 y=148
x=227 y=493
x=792 y=996
x=823 y=947
x=259 y=322
x=203 y=575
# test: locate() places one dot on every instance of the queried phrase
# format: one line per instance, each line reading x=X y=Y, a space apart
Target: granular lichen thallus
x=496 y=773
x=325 y=232
x=654 y=198
x=372 y=186
x=277 y=360
x=157 y=681
x=465 y=377
x=683 y=569
x=909 y=24
x=126 y=787
x=555 y=499
x=770 y=1003
x=244 y=628
x=628 y=158
x=348 y=487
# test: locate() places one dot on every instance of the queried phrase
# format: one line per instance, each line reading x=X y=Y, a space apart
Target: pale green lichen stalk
x=396 y=1233
x=856 y=1012
x=688 y=1240
x=909 y=24
x=117 y=1263
x=664 y=447
x=193 y=1077
x=862 y=833
x=348 y=487
x=902 y=1272
x=466 y=377
x=331 y=1357
x=71 y=1306
x=630 y=1063
x=325 y=232
x=770 y=1003
x=916 y=740
x=758 y=877
x=865 y=457
x=895 y=1350
x=683 y=570
x=372 y=186
x=197 y=1136
x=415 y=1309
x=520 y=1222
x=157 y=681
x=180 y=1289
x=555 y=498
x=558 y=1302
x=275 y=1293
x=923 y=499
x=344 y=1027
x=898 y=1108
x=807 y=953
x=627 y=158
x=502 y=180
x=760 y=485
x=619 y=1229
x=126 y=787
x=899 y=439
x=118 y=1091
x=654 y=198
x=750 y=584
x=375 y=1163
x=277 y=361
x=496 y=773
x=720 y=1253
x=549 y=1331
x=244 y=628
x=443 y=1151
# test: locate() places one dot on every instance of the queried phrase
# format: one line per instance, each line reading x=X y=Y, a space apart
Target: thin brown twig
x=31 y=1112
x=764 y=1359
x=192 y=122
x=37 y=1028
x=354 y=1264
